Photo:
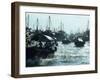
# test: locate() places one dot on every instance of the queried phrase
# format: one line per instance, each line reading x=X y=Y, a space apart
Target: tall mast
x=27 y=23
x=37 y=24
x=49 y=24
x=88 y=25
x=61 y=26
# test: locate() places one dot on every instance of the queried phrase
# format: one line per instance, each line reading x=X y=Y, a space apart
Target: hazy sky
x=71 y=23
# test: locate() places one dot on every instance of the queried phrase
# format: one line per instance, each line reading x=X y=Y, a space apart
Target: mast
x=27 y=23
x=61 y=26
x=37 y=24
x=49 y=23
x=87 y=25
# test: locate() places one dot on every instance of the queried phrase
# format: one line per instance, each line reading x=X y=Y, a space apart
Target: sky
x=71 y=23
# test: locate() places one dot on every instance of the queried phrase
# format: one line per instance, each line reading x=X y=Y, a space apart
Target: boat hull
x=79 y=44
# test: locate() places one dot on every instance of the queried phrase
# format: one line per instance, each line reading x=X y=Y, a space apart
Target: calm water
x=68 y=55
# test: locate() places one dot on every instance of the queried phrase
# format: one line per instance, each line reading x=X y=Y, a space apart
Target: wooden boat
x=43 y=46
x=79 y=42
x=66 y=41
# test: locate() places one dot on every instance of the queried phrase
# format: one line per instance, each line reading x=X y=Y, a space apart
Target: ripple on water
x=68 y=55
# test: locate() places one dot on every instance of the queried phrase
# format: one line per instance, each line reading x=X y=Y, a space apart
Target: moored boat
x=66 y=41
x=79 y=42
x=42 y=46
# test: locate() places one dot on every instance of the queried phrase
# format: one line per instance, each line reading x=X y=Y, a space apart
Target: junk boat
x=79 y=42
x=66 y=41
x=42 y=46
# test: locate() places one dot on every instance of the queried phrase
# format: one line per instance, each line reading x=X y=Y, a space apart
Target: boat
x=66 y=41
x=43 y=44
x=79 y=42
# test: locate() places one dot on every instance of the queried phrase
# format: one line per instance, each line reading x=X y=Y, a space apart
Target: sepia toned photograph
x=57 y=39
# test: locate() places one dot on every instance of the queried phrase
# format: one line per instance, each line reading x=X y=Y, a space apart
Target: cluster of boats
x=78 y=41
x=43 y=44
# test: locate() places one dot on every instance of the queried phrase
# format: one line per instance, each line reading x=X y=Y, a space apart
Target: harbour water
x=68 y=54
